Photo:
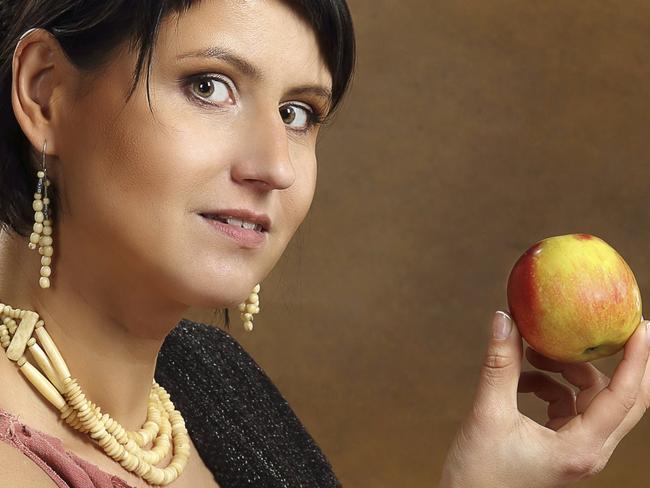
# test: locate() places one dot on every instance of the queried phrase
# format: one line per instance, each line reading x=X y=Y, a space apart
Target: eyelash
x=315 y=116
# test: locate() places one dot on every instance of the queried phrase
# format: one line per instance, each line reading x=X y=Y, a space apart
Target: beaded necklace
x=163 y=428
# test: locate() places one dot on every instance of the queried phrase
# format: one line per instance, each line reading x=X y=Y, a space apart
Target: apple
x=574 y=298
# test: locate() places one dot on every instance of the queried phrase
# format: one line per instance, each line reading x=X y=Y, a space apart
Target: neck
x=108 y=330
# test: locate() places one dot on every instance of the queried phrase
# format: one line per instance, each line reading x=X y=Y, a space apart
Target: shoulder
x=234 y=412
x=205 y=363
x=16 y=469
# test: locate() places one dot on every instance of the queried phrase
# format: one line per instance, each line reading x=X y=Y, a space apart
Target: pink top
x=66 y=468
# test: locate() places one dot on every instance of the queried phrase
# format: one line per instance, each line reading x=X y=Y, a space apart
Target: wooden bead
x=137 y=438
x=182 y=449
x=47 y=230
x=130 y=445
x=105 y=441
x=164 y=427
x=46 y=260
x=169 y=476
x=248 y=325
x=45 y=240
x=48 y=251
x=37 y=205
x=66 y=411
x=38 y=227
x=34 y=238
x=53 y=353
x=153 y=456
x=178 y=466
x=21 y=336
x=42 y=385
x=38 y=216
x=156 y=476
x=44 y=282
x=178 y=428
x=46 y=271
x=77 y=401
x=142 y=469
x=131 y=462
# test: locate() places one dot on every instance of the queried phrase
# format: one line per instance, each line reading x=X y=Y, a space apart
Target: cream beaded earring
x=42 y=231
x=249 y=307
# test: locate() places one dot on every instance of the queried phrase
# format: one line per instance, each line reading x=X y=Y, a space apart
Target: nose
x=265 y=160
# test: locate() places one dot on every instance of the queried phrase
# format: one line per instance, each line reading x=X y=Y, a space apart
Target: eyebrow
x=216 y=52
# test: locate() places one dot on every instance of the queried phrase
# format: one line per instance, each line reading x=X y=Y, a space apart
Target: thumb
x=497 y=388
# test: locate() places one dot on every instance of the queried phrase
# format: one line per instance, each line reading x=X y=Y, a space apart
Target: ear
x=39 y=67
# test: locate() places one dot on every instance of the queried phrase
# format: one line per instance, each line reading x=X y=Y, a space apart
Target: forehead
x=269 y=34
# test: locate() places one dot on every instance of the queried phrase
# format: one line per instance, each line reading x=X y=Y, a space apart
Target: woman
x=176 y=189
x=182 y=192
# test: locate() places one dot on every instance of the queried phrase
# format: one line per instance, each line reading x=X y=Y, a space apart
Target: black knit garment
x=244 y=430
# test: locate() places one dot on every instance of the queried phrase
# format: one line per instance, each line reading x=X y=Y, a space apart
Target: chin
x=199 y=290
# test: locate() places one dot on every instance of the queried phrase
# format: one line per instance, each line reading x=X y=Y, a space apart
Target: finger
x=497 y=389
x=582 y=375
x=560 y=397
x=610 y=407
x=589 y=379
x=631 y=419
x=635 y=414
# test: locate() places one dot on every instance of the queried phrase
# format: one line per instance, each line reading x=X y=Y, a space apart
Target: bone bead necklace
x=164 y=426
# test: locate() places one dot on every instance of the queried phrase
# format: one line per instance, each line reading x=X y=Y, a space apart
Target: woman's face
x=228 y=131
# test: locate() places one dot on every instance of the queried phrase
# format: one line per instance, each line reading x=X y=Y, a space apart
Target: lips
x=244 y=218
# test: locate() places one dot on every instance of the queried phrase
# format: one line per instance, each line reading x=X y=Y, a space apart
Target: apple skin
x=574 y=298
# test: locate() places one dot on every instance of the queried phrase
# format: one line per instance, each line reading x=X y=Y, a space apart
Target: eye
x=298 y=117
x=212 y=89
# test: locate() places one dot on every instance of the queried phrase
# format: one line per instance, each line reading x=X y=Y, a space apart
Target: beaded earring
x=42 y=231
x=249 y=307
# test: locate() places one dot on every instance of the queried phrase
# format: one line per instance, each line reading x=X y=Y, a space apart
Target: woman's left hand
x=498 y=446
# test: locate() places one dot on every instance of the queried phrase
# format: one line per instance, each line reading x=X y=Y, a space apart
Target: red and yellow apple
x=574 y=298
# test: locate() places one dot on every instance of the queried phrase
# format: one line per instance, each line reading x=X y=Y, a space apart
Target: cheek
x=127 y=181
x=300 y=199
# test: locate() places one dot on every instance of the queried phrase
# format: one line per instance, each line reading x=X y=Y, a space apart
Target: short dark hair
x=88 y=31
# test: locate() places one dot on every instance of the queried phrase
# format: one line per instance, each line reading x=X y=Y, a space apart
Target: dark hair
x=88 y=31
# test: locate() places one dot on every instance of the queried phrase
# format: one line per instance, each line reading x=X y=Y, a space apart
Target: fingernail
x=501 y=325
x=647 y=332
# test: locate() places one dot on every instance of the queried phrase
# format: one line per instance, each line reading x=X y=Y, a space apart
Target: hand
x=498 y=446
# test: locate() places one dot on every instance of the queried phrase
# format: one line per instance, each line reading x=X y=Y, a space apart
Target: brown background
x=473 y=130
